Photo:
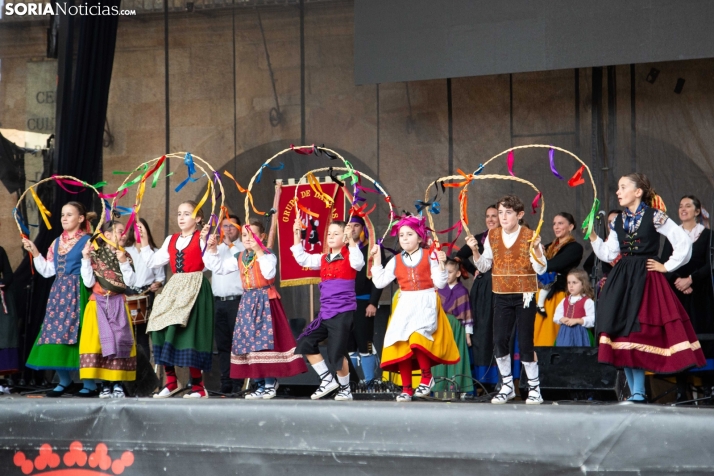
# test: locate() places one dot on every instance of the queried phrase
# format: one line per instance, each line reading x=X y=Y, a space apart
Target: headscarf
x=418 y=224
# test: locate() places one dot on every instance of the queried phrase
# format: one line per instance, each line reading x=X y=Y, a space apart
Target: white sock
x=344 y=380
x=321 y=369
x=531 y=370
x=504 y=365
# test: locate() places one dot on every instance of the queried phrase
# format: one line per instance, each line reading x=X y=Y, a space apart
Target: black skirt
x=481 y=296
x=621 y=297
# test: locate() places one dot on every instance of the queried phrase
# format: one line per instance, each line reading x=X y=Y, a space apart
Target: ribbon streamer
x=577 y=178
x=200 y=204
x=510 y=163
x=317 y=188
x=551 y=158
x=590 y=219
x=188 y=161
x=250 y=195
x=321 y=150
x=534 y=204
x=433 y=206
x=21 y=221
x=306 y=150
x=304 y=209
x=265 y=165
x=44 y=212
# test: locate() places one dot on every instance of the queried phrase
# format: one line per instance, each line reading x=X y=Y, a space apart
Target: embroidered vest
x=574 y=311
x=337 y=268
x=512 y=269
x=189 y=259
x=252 y=278
x=416 y=278
x=642 y=242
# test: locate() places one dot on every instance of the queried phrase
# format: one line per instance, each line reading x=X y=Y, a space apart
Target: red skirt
x=280 y=361
x=666 y=342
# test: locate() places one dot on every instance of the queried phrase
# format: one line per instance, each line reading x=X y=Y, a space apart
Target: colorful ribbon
x=551 y=158
x=265 y=165
x=44 y=212
x=246 y=191
x=433 y=206
x=577 y=178
x=534 y=204
x=304 y=209
x=200 y=204
x=510 y=163
x=21 y=221
x=590 y=219
x=305 y=150
x=188 y=161
x=317 y=188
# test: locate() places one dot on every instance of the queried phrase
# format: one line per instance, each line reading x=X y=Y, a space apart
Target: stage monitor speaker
x=573 y=373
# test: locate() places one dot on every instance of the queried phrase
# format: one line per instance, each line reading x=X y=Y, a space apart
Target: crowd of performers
x=650 y=308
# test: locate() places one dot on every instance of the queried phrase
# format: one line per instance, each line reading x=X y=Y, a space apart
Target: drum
x=138 y=308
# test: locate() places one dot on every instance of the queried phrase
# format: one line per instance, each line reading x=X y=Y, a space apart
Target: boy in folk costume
x=507 y=252
x=338 y=301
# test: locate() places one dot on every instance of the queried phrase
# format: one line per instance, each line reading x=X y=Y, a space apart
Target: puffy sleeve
x=356 y=258
x=541 y=267
x=306 y=260
x=159 y=275
x=485 y=261
x=438 y=275
x=87 y=273
x=681 y=244
x=268 y=265
x=607 y=250
x=46 y=267
x=216 y=264
x=383 y=275
x=558 y=315
x=156 y=258
x=127 y=273
x=589 y=318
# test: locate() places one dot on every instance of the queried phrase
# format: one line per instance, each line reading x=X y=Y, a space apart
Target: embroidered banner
x=315 y=217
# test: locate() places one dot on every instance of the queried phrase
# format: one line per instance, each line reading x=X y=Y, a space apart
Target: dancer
x=640 y=323
x=576 y=312
x=107 y=350
x=418 y=334
x=57 y=344
x=361 y=346
x=481 y=296
x=692 y=284
x=506 y=251
x=263 y=347
x=148 y=280
x=338 y=270
x=181 y=322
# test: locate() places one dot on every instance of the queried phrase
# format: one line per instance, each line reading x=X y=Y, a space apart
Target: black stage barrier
x=301 y=437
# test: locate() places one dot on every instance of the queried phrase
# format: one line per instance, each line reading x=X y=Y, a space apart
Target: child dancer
x=418 y=334
x=575 y=313
x=507 y=251
x=640 y=323
x=263 y=345
x=456 y=304
x=181 y=321
x=338 y=301
x=57 y=345
x=106 y=347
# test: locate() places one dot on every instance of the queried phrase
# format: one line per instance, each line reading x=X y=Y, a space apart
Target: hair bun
x=91 y=216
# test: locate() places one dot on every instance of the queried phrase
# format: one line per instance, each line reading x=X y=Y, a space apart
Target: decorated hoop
x=353 y=199
x=574 y=181
x=302 y=150
x=63 y=181
x=152 y=169
x=463 y=203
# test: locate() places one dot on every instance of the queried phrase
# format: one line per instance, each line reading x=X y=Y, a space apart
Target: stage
x=300 y=436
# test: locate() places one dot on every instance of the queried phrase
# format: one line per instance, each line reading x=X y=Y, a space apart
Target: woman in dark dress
x=692 y=283
x=563 y=254
x=481 y=307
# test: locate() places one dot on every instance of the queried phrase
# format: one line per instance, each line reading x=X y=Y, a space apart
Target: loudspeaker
x=573 y=373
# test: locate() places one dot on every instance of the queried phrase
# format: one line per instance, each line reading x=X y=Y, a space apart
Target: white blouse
x=268 y=264
x=145 y=276
x=314 y=261
x=589 y=317
x=90 y=279
x=681 y=245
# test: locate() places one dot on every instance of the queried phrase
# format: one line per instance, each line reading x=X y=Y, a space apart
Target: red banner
x=315 y=217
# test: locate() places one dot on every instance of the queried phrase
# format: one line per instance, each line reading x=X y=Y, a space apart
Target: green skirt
x=461 y=371
x=59 y=356
x=190 y=346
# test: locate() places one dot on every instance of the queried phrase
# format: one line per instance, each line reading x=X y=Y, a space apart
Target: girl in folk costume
x=338 y=301
x=692 y=284
x=106 y=347
x=181 y=321
x=418 y=334
x=507 y=251
x=263 y=345
x=57 y=345
x=640 y=323
x=576 y=313
x=562 y=255
x=456 y=305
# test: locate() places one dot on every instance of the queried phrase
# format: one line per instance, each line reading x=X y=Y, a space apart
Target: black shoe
x=541 y=311
x=226 y=389
x=58 y=393
x=90 y=394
